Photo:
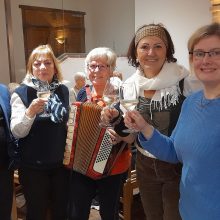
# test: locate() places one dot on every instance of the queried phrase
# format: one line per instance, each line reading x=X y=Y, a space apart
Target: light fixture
x=60 y=34
x=60 y=40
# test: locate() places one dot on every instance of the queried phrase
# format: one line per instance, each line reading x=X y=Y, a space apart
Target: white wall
x=72 y=65
x=120 y=26
x=101 y=26
x=110 y=23
x=180 y=17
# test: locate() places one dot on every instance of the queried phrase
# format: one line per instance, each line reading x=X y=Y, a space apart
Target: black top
x=4 y=158
x=164 y=119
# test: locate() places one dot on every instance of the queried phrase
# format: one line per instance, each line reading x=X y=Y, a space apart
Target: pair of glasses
x=199 y=54
x=101 y=67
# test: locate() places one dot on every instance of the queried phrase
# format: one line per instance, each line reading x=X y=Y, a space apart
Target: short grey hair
x=102 y=52
x=79 y=75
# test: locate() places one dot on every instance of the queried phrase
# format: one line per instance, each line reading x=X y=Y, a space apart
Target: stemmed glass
x=44 y=93
x=110 y=97
x=128 y=97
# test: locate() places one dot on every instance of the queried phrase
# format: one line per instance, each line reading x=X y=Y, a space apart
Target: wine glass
x=44 y=93
x=128 y=96
x=110 y=97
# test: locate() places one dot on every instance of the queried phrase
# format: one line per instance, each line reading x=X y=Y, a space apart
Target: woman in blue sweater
x=195 y=139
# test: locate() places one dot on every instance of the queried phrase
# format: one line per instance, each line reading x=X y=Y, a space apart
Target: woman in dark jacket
x=6 y=174
x=42 y=139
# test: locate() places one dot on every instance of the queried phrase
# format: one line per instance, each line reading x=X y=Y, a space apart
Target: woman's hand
x=114 y=136
x=36 y=107
x=108 y=114
x=134 y=120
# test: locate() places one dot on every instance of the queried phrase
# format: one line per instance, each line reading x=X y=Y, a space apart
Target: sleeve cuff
x=26 y=120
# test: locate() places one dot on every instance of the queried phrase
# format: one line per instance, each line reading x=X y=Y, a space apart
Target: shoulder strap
x=181 y=83
x=88 y=93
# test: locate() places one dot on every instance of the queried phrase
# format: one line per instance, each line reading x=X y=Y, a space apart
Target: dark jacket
x=44 y=146
x=5 y=151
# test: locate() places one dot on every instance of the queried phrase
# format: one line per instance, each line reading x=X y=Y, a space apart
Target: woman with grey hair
x=99 y=65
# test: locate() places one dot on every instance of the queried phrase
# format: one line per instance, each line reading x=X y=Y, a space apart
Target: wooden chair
x=14 y=215
x=127 y=195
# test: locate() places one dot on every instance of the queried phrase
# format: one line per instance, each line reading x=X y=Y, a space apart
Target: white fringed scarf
x=166 y=84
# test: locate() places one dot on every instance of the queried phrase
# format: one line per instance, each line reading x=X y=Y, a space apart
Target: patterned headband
x=151 y=30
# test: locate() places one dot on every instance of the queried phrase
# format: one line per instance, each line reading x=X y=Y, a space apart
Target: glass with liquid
x=128 y=96
x=110 y=97
x=44 y=93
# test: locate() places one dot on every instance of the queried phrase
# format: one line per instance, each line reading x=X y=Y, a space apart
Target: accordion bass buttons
x=69 y=138
x=70 y=128
x=103 y=154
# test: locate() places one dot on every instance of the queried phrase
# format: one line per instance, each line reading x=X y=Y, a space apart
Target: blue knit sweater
x=196 y=143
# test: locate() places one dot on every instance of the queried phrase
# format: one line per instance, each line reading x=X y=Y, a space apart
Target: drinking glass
x=44 y=93
x=128 y=97
x=110 y=97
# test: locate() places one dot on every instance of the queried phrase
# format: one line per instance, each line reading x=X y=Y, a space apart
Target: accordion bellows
x=89 y=148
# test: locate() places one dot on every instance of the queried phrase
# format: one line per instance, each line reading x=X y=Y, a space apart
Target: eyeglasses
x=199 y=54
x=93 y=67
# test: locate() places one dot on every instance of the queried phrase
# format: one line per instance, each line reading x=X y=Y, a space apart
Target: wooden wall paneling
x=44 y=25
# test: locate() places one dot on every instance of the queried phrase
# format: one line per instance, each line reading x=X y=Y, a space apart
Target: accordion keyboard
x=103 y=154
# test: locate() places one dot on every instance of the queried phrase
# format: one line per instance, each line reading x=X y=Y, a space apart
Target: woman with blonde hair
x=42 y=139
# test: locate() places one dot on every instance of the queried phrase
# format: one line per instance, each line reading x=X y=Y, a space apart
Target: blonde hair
x=43 y=49
x=201 y=33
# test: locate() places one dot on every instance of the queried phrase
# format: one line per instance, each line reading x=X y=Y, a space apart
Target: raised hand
x=36 y=107
x=108 y=114
x=134 y=120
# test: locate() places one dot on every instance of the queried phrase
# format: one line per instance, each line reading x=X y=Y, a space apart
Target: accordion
x=89 y=148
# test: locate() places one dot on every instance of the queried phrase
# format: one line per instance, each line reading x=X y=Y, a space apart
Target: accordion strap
x=88 y=93
x=118 y=154
x=95 y=99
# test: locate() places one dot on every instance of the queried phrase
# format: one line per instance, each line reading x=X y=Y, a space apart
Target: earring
x=137 y=61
